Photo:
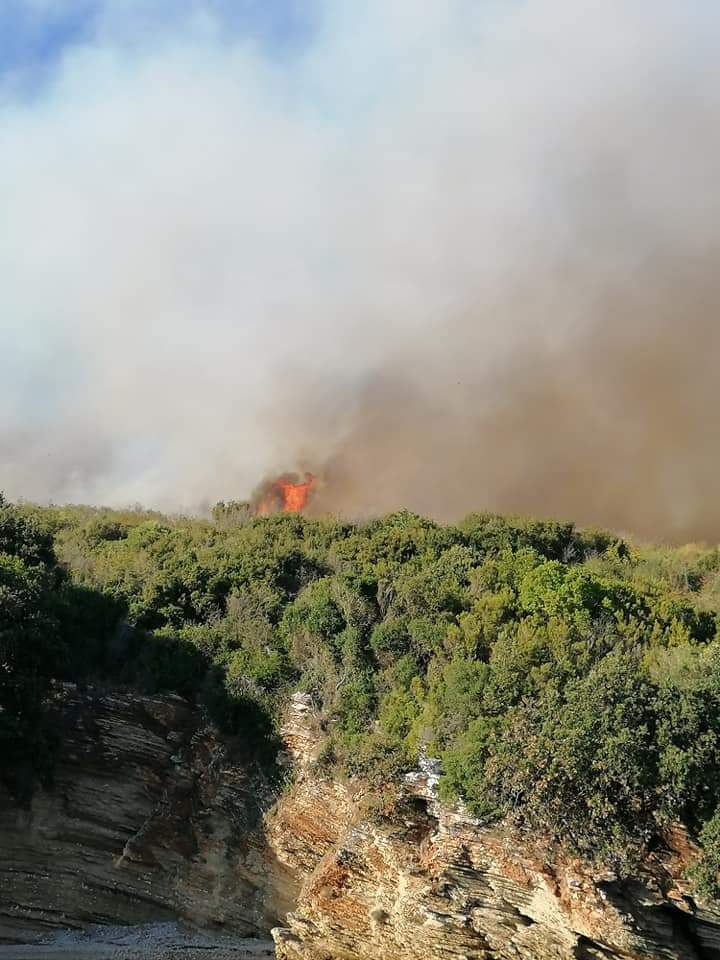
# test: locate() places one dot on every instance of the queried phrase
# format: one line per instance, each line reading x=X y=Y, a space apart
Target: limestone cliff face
x=152 y=818
x=428 y=882
x=149 y=819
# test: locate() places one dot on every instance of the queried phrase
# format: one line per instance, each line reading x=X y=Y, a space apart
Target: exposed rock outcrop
x=149 y=819
x=428 y=882
x=153 y=818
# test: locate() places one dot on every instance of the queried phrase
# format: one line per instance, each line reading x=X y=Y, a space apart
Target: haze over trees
x=568 y=680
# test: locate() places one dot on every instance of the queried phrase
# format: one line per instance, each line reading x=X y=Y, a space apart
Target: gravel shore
x=163 y=941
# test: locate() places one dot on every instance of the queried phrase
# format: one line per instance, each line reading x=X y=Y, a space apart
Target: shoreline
x=164 y=941
x=112 y=952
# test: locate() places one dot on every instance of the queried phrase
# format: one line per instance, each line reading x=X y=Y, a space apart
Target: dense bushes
x=32 y=649
x=568 y=679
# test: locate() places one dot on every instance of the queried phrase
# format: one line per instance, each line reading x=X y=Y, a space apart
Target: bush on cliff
x=569 y=680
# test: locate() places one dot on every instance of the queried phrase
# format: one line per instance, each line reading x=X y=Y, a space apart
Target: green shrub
x=569 y=680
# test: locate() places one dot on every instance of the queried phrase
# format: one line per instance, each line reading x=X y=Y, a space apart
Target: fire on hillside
x=286 y=494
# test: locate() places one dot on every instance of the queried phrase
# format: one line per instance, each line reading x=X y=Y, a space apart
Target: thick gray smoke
x=449 y=255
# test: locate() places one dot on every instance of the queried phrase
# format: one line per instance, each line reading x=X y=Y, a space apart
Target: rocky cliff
x=153 y=817
x=150 y=818
x=427 y=882
x=421 y=881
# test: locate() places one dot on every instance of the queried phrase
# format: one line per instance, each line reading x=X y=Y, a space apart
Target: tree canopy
x=567 y=679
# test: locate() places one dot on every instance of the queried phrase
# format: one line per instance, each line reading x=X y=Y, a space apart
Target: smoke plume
x=448 y=256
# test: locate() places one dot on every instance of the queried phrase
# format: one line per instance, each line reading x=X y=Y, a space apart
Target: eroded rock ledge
x=153 y=818
x=429 y=882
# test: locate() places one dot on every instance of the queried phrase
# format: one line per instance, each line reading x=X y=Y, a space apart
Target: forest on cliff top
x=567 y=679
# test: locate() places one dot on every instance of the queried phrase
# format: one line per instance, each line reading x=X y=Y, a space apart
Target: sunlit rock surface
x=424 y=882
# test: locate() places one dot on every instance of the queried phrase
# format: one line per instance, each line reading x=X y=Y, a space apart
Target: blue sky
x=34 y=34
x=30 y=36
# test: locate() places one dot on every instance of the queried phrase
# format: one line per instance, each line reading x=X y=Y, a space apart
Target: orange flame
x=286 y=496
x=295 y=494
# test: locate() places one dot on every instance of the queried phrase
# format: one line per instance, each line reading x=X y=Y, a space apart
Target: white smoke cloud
x=209 y=254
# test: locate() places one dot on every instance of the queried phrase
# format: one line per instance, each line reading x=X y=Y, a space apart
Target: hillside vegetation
x=568 y=679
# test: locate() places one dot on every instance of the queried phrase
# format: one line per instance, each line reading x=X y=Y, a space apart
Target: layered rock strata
x=149 y=820
x=153 y=817
x=424 y=882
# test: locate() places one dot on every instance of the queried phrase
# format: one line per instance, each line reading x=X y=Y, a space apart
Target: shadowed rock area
x=149 y=820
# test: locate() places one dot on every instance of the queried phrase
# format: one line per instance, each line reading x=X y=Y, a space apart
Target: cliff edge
x=153 y=817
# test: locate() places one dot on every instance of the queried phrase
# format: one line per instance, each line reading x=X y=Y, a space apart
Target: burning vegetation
x=286 y=494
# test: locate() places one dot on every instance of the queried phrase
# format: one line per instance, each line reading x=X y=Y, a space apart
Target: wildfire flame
x=286 y=496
